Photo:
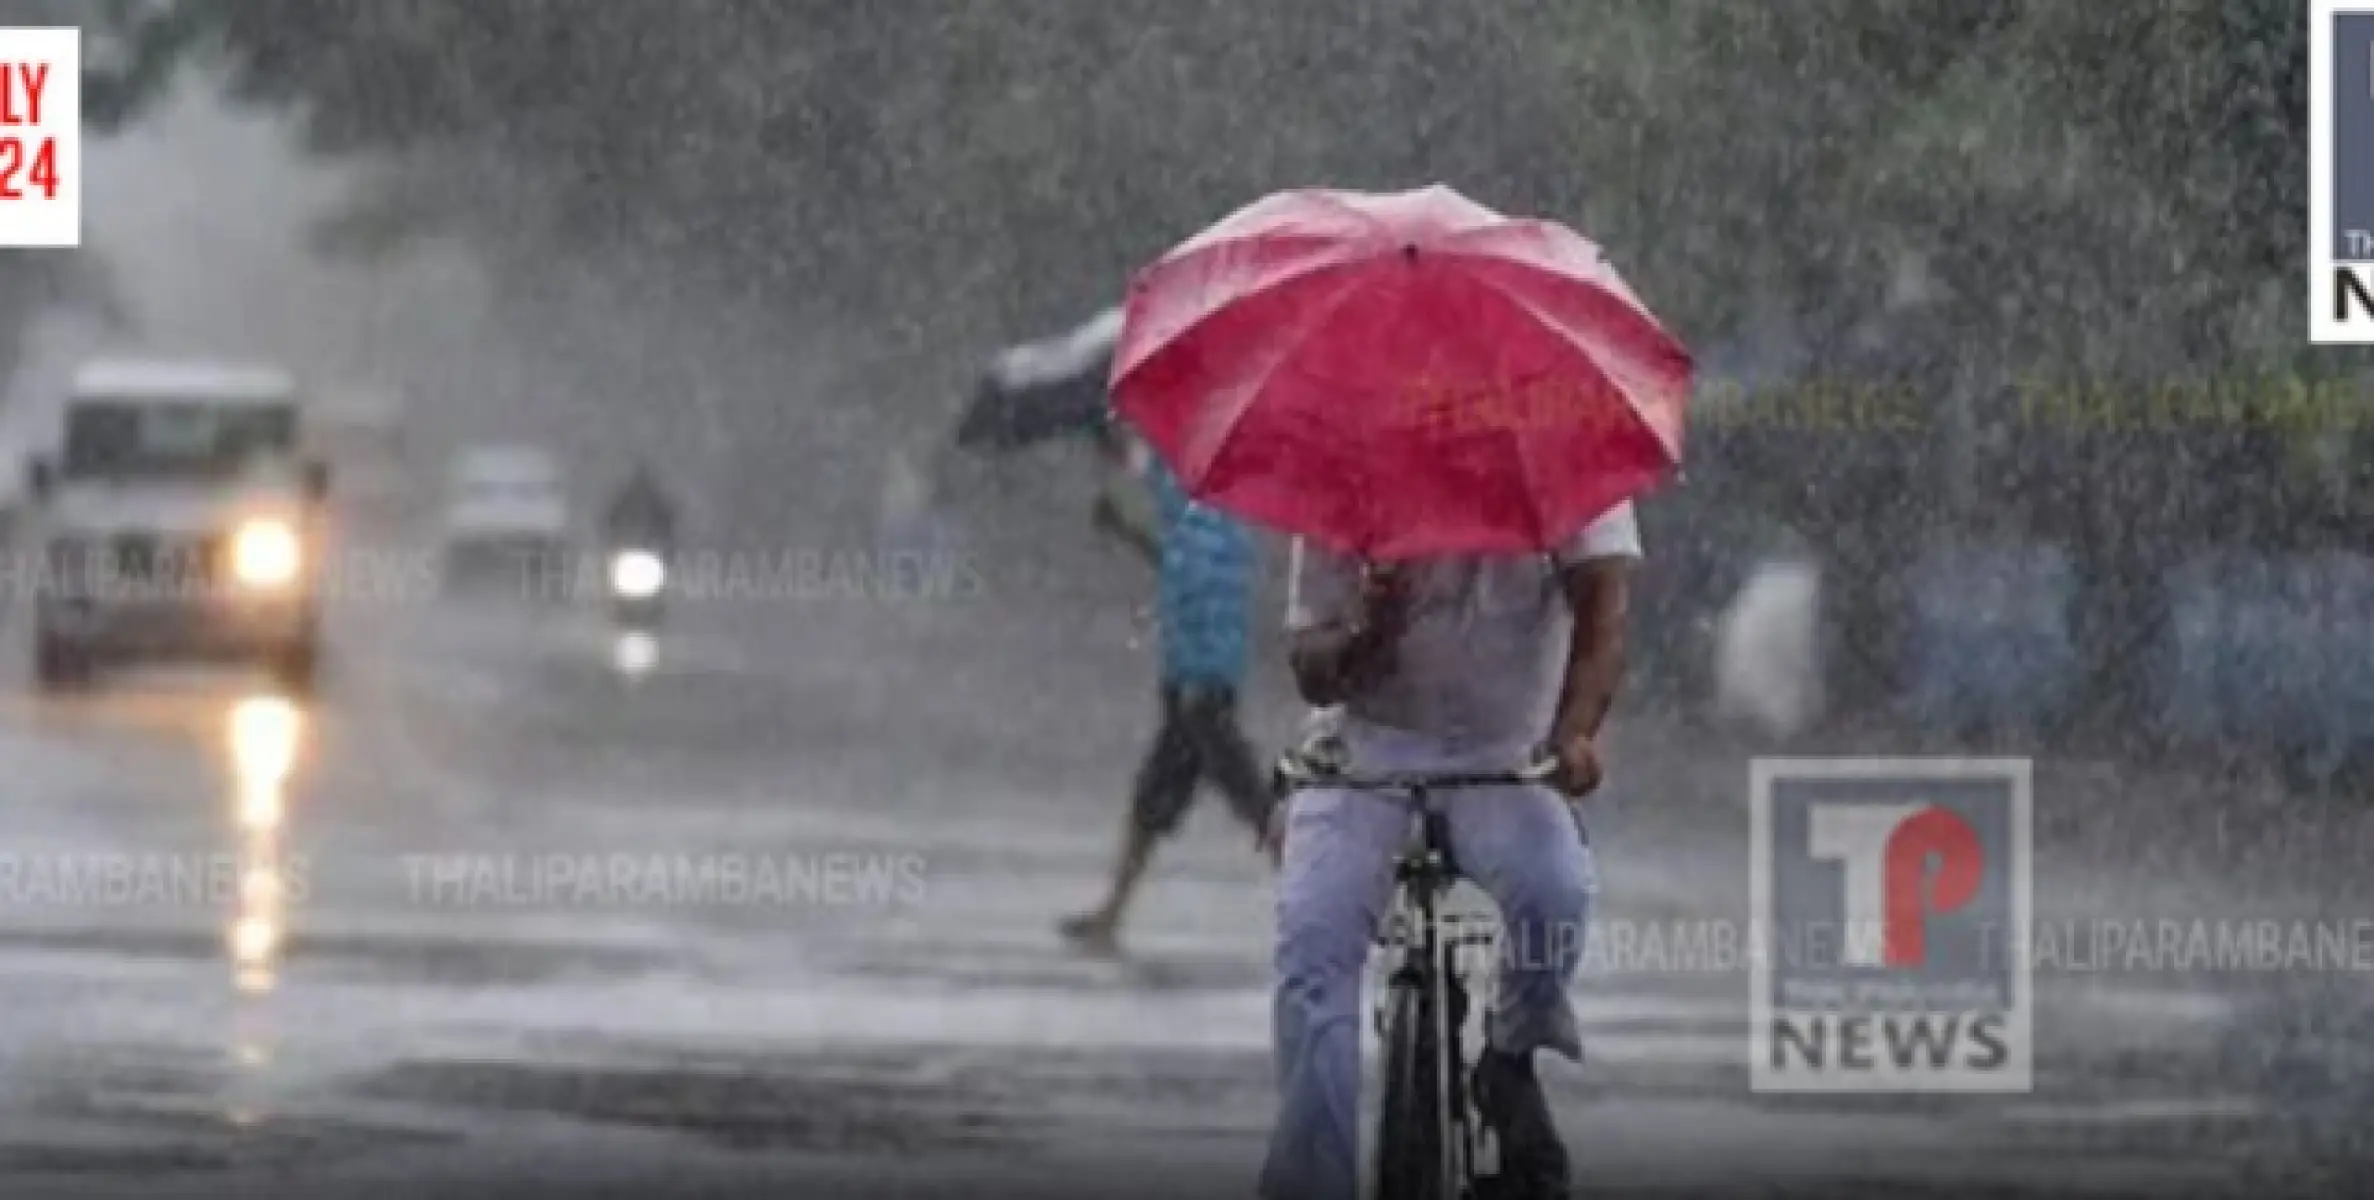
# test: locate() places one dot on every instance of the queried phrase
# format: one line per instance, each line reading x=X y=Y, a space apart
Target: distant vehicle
x=638 y=544
x=637 y=580
x=180 y=520
x=506 y=518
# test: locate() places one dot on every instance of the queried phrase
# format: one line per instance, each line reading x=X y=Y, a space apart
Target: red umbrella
x=1400 y=374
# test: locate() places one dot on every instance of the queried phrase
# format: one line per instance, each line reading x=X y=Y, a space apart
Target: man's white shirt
x=1484 y=655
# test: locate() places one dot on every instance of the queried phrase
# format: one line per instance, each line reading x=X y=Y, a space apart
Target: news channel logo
x=2341 y=172
x=1894 y=891
x=40 y=137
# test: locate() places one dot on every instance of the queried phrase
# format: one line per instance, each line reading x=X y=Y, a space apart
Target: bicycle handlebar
x=1297 y=772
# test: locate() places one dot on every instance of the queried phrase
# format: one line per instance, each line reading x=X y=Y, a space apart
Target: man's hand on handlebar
x=1578 y=770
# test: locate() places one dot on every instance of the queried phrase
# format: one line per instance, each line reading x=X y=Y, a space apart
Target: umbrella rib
x=1582 y=335
x=1340 y=258
x=1290 y=347
x=1588 y=265
x=1475 y=258
x=1533 y=489
x=1526 y=467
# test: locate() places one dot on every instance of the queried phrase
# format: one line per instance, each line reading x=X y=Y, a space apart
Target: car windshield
x=504 y=474
x=509 y=492
x=181 y=439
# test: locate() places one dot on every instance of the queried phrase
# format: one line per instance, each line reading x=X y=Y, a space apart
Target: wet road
x=471 y=921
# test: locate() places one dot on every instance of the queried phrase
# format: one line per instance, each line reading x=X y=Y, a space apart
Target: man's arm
x=1595 y=574
x=1129 y=464
x=1598 y=591
x=1108 y=518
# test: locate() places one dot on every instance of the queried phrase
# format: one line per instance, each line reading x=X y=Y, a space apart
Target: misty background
x=773 y=243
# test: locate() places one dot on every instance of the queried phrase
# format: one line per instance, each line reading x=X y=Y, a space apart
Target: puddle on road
x=255 y=946
x=144 y=1142
x=739 y=1108
x=961 y=964
x=136 y=1110
x=172 y=1110
x=40 y=1159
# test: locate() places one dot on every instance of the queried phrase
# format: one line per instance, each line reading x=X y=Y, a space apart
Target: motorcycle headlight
x=265 y=553
x=637 y=574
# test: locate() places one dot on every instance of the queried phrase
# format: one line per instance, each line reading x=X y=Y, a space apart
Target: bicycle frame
x=1424 y=873
x=1422 y=876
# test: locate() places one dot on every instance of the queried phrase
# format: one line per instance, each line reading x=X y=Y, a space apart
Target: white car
x=507 y=519
x=179 y=520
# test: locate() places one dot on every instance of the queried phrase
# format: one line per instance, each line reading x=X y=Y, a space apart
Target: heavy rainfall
x=695 y=750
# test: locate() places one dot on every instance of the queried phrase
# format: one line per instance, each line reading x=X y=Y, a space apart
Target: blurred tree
x=2037 y=190
x=1944 y=199
x=2086 y=186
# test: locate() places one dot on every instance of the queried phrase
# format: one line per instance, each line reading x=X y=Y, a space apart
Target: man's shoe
x=1509 y=1098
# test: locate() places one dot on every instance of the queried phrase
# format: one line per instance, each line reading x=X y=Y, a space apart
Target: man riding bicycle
x=1444 y=664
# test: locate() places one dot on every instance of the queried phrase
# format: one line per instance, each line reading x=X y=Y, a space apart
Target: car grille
x=167 y=561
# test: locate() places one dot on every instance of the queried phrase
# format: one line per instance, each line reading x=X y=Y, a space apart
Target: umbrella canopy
x=1049 y=388
x=1400 y=374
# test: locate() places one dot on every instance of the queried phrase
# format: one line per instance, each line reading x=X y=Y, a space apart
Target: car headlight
x=265 y=553
x=637 y=574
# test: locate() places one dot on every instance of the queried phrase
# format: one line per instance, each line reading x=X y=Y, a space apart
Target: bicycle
x=1427 y=1128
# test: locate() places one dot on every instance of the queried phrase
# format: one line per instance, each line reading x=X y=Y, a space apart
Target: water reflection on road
x=634 y=654
x=266 y=737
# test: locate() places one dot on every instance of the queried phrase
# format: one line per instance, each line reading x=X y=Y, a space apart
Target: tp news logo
x=1892 y=893
x=2341 y=172
x=40 y=137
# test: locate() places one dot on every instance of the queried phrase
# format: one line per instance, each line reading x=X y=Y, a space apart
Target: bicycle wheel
x=1410 y=1146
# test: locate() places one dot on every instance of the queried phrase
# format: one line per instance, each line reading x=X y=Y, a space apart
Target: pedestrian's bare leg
x=1165 y=784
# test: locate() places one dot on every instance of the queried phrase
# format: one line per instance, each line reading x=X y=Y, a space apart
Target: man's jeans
x=1520 y=844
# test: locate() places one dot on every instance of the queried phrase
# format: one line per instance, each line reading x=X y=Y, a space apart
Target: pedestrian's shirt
x=1206 y=586
x=1484 y=656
